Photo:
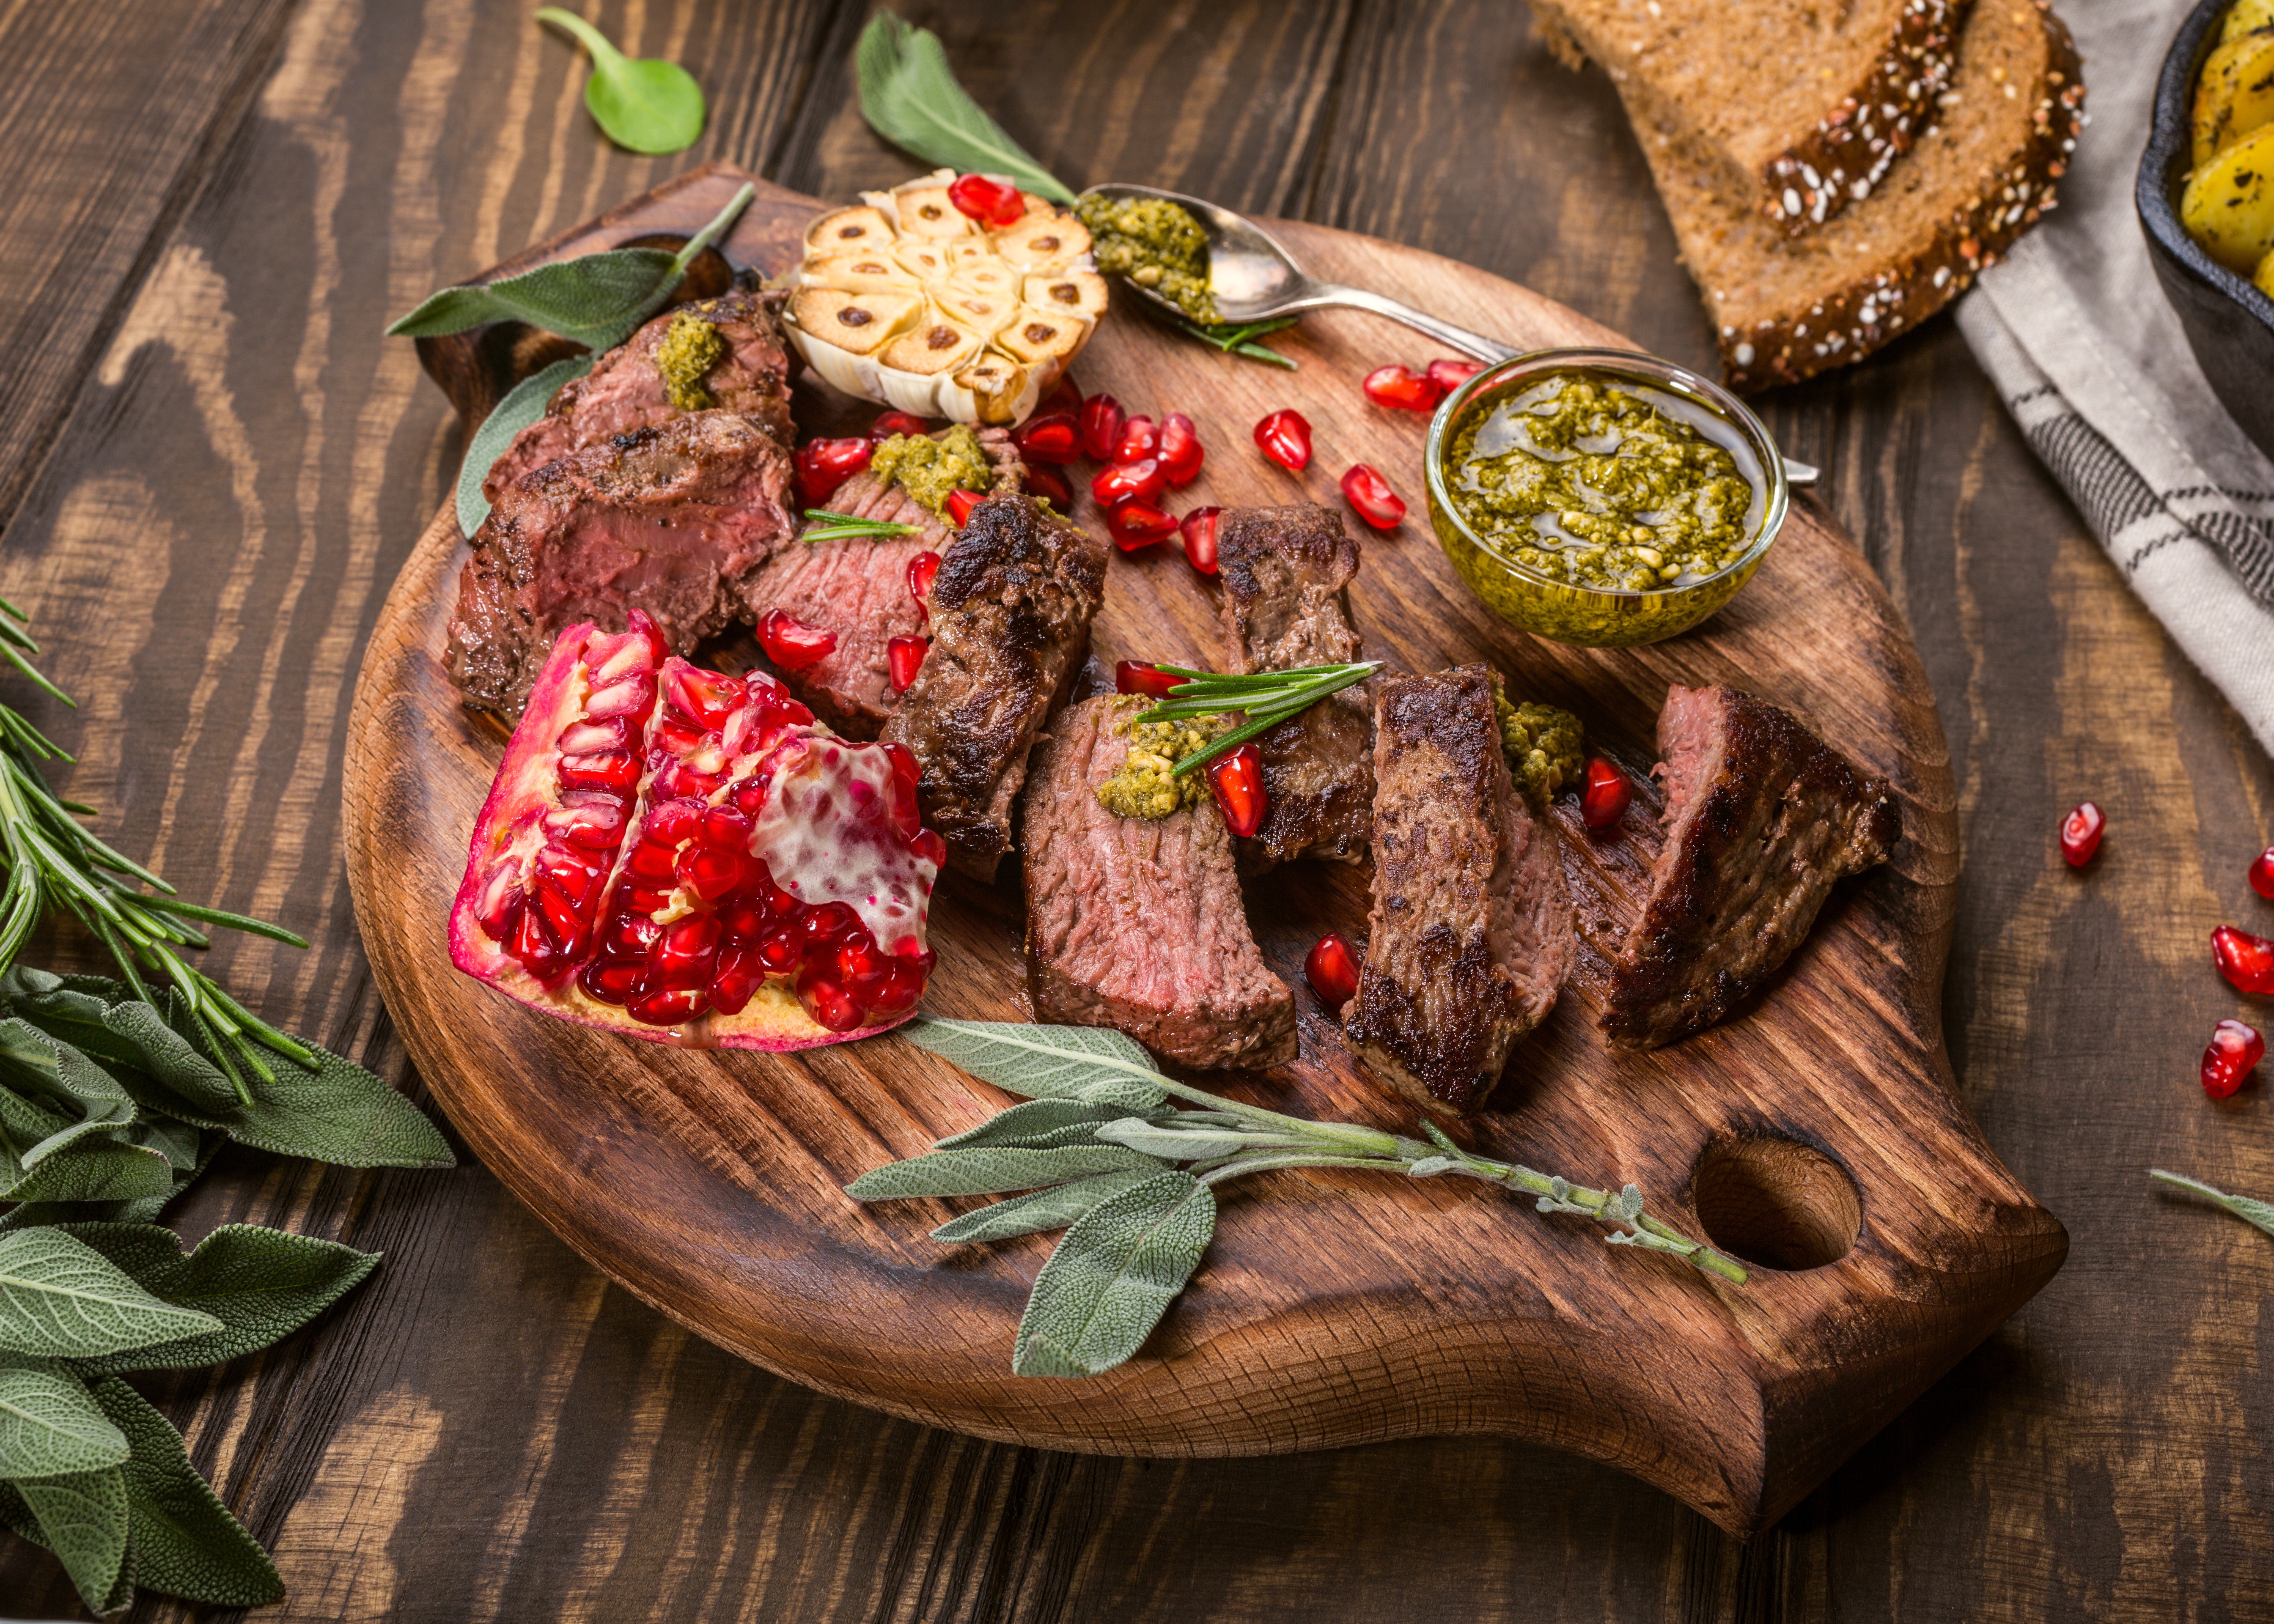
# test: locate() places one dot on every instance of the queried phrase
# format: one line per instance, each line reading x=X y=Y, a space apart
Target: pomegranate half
x=684 y=855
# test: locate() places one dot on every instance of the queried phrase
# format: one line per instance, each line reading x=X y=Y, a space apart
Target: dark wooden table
x=212 y=463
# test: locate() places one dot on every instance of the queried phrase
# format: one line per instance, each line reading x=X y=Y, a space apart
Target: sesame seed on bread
x=1786 y=308
x=1804 y=105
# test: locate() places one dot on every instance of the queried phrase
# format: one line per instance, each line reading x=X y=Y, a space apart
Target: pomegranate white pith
x=681 y=855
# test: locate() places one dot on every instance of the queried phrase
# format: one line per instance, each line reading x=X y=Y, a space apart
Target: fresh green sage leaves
x=2248 y=1209
x=910 y=96
x=648 y=106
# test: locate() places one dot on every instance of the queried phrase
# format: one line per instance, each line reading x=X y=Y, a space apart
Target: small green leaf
x=1113 y=1276
x=910 y=96
x=1038 y=1125
x=1043 y=1210
x=50 y=1428
x=649 y=106
x=83 y=1520
x=1173 y=1143
x=95 y=1170
x=588 y=299
x=524 y=404
x=991 y=1170
x=1430 y=1167
x=2248 y=1209
x=1095 y=1063
x=186 y=1542
x=60 y=1298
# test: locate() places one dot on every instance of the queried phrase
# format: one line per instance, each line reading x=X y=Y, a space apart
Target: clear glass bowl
x=1605 y=617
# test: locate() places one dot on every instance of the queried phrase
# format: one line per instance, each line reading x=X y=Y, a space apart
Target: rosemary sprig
x=53 y=863
x=1239 y=338
x=1267 y=698
x=842 y=526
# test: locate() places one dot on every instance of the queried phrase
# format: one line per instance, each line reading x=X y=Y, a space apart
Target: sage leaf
x=910 y=96
x=1171 y=1143
x=647 y=105
x=1043 y=1210
x=261 y=1284
x=1430 y=1167
x=524 y=404
x=94 y=1169
x=2248 y=1209
x=991 y=1170
x=179 y=1142
x=82 y=1519
x=1113 y=1276
x=1093 y=1063
x=44 y=1068
x=588 y=299
x=1038 y=1125
x=61 y=1299
x=338 y=1113
x=186 y=1542
x=51 y=1427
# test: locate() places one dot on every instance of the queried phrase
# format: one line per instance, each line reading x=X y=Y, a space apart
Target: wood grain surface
x=235 y=468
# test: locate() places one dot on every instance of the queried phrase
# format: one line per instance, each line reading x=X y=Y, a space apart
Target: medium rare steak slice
x=673 y=519
x=1761 y=819
x=1286 y=575
x=1471 y=934
x=859 y=589
x=624 y=391
x=1137 y=922
x=1010 y=625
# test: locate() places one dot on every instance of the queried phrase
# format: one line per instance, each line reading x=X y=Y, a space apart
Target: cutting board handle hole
x=1776 y=1202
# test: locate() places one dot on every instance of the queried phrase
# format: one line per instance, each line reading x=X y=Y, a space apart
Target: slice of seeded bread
x=1787 y=308
x=1805 y=104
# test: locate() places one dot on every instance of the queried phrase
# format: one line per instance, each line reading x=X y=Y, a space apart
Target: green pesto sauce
x=691 y=347
x=1143 y=785
x=1545 y=748
x=1156 y=245
x=1588 y=484
x=929 y=469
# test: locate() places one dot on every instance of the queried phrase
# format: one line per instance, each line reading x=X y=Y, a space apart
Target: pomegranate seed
x=827 y=1001
x=631 y=936
x=892 y=422
x=2261 y=874
x=1136 y=523
x=642 y=625
x=1403 y=388
x=2080 y=834
x=905 y=656
x=781 y=950
x=1065 y=396
x=791 y=644
x=710 y=873
x=631 y=701
x=670 y=822
x=657 y=865
x=1139 y=438
x=1286 y=438
x=1141 y=677
x=668 y=1006
x=1450 y=375
x=904 y=985
x=1200 y=539
x=959 y=504
x=1236 y=780
x=2234 y=1051
x=1055 y=438
x=1181 y=451
x=825 y=464
x=688 y=951
x=611 y=981
x=502 y=899
x=708 y=696
x=825 y=926
x=1120 y=482
x=922 y=569
x=2244 y=959
x=593 y=821
x=863 y=970
x=1604 y=800
x=616 y=771
x=1370 y=494
x=1331 y=971
x=929 y=847
x=989 y=202
x=724 y=829
x=1046 y=482
x=740 y=975
x=1102 y=418
x=585 y=735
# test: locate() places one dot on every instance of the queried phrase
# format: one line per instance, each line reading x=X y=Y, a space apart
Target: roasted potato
x=2228 y=206
x=2245 y=16
x=2234 y=94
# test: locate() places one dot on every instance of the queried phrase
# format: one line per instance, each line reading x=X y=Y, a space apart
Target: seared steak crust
x=1471 y=934
x=1010 y=616
x=1763 y=818
x=673 y=518
x=1286 y=575
x=1137 y=922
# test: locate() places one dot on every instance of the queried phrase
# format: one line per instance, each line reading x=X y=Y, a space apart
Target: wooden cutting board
x=1818 y=1135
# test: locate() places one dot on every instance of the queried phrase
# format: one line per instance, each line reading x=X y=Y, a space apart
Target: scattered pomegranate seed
x=1137 y=523
x=1604 y=800
x=959 y=504
x=2244 y=959
x=2261 y=874
x=1118 y=482
x=1236 y=780
x=1199 y=529
x=1102 y=418
x=791 y=644
x=1140 y=438
x=989 y=202
x=1143 y=677
x=1370 y=494
x=905 y=656
x=1403 y=388
x=1332 y=971
x=1181 y=451
x=1449 y=374
x=1052 y=437
x=825 y=464
x=2234 y=1051
x=1046 y=482
x=921 y=570
x=1286 y=438
x=893 y=422
x=2080 y=833
x=1065 y=396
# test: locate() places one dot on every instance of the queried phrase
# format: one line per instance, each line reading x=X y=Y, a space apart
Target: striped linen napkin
x=2074 y=329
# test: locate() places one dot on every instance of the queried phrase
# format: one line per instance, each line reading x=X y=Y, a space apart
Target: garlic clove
x=1044 y=242
x=847 y=229
x=1067 y=293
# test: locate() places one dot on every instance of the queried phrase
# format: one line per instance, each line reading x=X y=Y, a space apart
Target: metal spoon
x=1254 y=278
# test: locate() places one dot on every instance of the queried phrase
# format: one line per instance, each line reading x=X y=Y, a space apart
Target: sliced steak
x=1010 y=625
x=859 y=589
x=624 y=391
x=1137 y=922
x=1286 y=575
x=673 y=519
x=1762 y=818
x=1471 y=934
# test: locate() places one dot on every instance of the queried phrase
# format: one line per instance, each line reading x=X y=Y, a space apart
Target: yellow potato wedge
x=2228 y=204
x=2245 y=16
x=2234 y=94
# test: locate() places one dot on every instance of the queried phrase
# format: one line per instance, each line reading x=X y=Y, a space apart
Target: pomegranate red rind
x=682 y=855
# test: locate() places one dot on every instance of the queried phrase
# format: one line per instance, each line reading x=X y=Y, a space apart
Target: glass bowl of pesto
x=1603 y=497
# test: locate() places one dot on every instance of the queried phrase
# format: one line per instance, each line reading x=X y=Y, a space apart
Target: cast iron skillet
x=2229 y=323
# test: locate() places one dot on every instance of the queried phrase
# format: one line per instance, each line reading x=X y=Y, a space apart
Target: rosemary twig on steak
x=1267 y=698
x=829 y=526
